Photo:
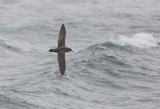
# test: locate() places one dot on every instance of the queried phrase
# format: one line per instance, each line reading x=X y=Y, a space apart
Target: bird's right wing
x=62 y=35
x=62 y=63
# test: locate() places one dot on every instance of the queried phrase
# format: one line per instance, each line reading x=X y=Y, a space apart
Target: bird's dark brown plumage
x=62 y=36
x=61 y=49
x=62 y=63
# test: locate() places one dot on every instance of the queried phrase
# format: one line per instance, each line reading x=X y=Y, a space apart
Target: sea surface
x=116 y=63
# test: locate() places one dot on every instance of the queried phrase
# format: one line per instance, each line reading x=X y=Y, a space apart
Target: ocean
x=115 y=63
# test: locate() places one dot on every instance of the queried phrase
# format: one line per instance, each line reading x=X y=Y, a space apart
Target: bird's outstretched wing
x=62 y=35
x=62 y=63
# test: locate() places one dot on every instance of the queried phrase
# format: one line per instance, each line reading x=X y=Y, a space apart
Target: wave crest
x=141 y=40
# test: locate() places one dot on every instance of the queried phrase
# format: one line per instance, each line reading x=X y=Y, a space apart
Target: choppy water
x=115 y=64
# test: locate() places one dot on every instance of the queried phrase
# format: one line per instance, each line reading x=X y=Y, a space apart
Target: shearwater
x=61 y=49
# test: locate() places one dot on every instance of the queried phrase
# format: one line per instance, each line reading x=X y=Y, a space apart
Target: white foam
x=142 y=40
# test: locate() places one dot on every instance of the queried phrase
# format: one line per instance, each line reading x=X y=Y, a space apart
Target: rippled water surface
x=115 y=64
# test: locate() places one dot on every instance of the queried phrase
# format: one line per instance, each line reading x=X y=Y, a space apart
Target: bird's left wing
x=62 y=63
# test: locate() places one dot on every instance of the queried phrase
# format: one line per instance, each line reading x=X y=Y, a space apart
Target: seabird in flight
x=61 y=49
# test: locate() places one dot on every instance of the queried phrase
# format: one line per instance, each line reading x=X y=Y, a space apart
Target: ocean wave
x=110 y=60
x=9 y=46
x=99 y=69
x=14 y=103
x=141 y=40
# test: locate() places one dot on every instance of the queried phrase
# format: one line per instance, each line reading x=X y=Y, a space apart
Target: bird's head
x=69 y=50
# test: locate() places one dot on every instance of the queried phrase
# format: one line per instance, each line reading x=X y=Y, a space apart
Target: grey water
x=115 y=64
